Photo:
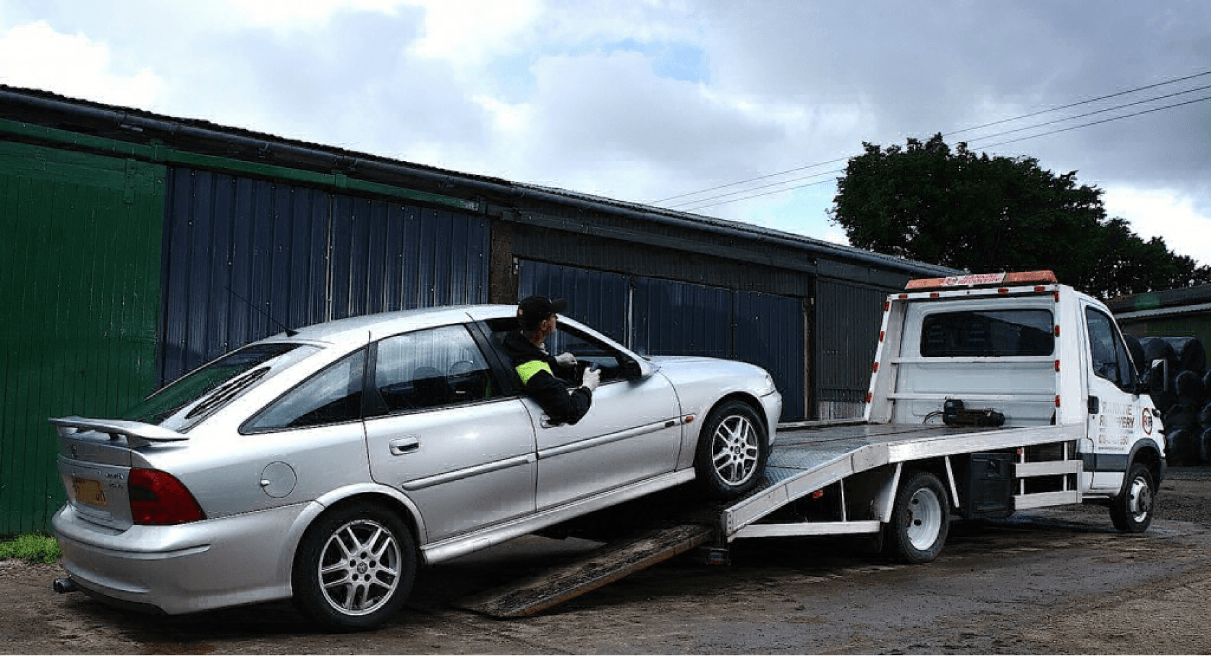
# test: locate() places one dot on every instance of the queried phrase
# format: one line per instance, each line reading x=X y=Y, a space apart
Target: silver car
x=327 y=464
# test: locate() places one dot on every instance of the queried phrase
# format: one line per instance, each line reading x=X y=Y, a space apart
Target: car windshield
x=214 y=385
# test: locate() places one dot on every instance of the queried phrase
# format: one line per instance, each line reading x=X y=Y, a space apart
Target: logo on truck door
x=1147 y=421
x=1115 y=425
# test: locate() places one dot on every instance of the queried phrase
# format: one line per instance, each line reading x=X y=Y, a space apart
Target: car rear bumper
x=185 y=568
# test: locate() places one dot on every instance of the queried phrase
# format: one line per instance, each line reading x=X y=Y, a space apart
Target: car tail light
x=158 y=498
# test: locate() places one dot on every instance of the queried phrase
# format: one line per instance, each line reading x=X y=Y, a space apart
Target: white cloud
x=642 y=100
x=1162 y=213
x=469 y=33
x=34 y=55
x=285 y=16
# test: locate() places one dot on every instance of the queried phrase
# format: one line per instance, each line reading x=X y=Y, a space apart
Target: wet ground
x=1054 y=581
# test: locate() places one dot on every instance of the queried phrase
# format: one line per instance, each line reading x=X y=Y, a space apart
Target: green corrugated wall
x=80 y=239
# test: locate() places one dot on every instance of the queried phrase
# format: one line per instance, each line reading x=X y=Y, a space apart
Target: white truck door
x=1115 y=411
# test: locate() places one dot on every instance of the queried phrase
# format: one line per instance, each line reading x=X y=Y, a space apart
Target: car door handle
x=404 y=445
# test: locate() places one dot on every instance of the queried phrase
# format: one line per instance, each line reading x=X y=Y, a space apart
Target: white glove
x=590 y=379
x=566 y=359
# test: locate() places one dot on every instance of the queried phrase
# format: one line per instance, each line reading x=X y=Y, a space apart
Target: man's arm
x=560 y=404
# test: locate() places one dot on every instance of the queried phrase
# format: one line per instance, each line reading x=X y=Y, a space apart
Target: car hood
x=683 y=369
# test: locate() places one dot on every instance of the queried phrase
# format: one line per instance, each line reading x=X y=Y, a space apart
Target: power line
x=744 y=191
x=1083 y=102
x=760 y=177
x=1093 y=113
x=1000 y=122
x=1002 y=143
x=1106 y=120
x=767 y=193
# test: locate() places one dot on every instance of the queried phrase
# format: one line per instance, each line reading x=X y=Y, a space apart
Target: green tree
x=979 y=213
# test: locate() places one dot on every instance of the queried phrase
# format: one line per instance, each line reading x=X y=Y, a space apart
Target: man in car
x=546 y=378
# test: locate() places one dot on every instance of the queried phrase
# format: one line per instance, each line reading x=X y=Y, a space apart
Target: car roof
x=376 y=326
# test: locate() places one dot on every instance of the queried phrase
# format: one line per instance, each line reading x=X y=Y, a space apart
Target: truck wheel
x=354 y=568
x=1131 y=511
x=732 y=451
x=920 y=520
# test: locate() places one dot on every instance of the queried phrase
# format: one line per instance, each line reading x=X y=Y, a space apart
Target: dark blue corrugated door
x=239 y=251
x=676 y=318
x=847 y=334
x=769 y=334
x=241 y=257
x=595 y=298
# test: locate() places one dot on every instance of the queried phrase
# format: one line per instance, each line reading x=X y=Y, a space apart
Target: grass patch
x=31 y=548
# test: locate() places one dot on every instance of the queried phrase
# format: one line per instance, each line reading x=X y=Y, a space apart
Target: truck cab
x=1022 y=350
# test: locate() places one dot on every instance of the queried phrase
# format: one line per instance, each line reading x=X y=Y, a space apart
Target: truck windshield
x=208 y=388
x=987 y=333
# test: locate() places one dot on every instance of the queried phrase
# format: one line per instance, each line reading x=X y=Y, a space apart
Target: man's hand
x=566 y=359
x=590 y=379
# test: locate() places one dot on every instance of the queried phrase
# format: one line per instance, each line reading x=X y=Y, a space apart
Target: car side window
x=430 y=369
x=1107 y=351
x=587 y=349
x=332 y=396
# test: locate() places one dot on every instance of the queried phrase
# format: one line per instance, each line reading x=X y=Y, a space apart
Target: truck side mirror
x=1158 y=377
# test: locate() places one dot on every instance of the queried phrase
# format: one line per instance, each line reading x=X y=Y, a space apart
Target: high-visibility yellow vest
x=526 y=370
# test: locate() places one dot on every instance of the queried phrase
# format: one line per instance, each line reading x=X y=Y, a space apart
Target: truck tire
x=354 y=569
x=1131 y=511
x=920 y=520
x=732 y=451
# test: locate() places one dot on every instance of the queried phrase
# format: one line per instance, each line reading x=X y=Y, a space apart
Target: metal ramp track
x=597 y=568
x=806 y=460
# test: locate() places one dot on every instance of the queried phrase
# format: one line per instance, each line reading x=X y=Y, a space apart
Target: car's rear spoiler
x=137 y=434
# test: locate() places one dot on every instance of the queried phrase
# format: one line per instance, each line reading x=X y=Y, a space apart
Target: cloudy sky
x=738 y=110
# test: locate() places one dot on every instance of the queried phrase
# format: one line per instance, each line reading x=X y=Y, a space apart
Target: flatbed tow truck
x=989 y=394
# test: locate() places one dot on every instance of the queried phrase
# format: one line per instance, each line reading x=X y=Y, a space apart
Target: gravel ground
x=1054 y=581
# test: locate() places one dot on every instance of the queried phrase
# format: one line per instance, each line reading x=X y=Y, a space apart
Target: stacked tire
x=1186 y=407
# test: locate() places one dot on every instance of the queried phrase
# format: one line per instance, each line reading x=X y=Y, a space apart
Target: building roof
x=32 y=106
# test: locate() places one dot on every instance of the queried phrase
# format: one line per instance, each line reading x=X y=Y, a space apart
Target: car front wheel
x=732 y=451
x=355 y=568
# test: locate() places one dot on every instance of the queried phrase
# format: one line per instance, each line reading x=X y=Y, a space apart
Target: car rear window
x=987 y=333
x=187 y=400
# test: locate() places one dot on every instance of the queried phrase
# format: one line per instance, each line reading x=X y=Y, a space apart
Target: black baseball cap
x=534 y=310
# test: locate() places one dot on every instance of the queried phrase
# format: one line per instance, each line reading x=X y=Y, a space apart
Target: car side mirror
x=631 y=370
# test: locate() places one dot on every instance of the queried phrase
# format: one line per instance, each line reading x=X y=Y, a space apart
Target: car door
x=632 y=430
x=442 y=430
x=1115 y=411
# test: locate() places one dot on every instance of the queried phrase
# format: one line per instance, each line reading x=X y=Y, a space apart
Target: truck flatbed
x=809 y=457
x=806 y=458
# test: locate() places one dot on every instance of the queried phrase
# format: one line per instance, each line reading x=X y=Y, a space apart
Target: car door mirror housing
x=632 y=370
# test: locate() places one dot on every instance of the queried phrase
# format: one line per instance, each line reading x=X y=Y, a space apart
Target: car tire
x=732 y=450
x=354 y=568
x=1132 y=510
x=920 y=520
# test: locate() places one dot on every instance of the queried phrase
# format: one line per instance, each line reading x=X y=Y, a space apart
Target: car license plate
x=89 y=491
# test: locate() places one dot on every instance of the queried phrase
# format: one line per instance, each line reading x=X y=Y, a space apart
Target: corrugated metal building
x=138 y=246
x=1170 y=313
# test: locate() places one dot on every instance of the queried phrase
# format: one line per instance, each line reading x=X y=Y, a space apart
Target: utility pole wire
x=1083 y=102
x=750 y=189
x=1105 y=120
x=1002 y=143
x=978 y=127
x=1094 y=113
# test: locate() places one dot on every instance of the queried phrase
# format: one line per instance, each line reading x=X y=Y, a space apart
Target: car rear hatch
x=95 y=461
